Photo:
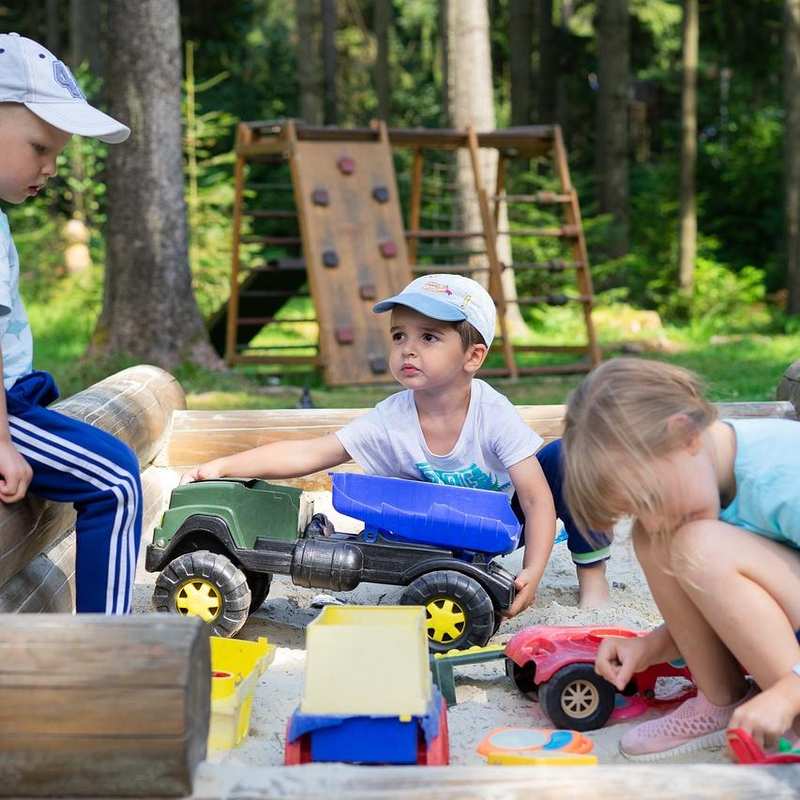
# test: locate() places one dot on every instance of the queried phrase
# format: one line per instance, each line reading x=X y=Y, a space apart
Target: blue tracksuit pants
x=586 y=552
x=74 y=462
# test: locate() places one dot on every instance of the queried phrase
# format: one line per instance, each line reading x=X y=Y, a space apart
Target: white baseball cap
x=30 y=74
x=450 y=298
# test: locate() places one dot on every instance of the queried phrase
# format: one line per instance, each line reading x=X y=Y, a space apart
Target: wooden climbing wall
x=354 y=249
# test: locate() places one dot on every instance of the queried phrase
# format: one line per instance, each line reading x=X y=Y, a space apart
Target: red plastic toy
x=745 y=750
x=557 y=663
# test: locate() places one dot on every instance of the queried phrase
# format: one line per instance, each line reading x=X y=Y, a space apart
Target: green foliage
x=722 y=299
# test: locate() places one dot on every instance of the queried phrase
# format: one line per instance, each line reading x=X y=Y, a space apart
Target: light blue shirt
x=767 y=472
x=15 y=332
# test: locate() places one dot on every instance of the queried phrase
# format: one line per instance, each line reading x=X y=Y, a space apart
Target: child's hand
x=526 y=586
x=770 y=714
x=619 y=658
x=15 y=473
x=204 y=472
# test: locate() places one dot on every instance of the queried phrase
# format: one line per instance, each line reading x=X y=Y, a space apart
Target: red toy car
x=557 y=663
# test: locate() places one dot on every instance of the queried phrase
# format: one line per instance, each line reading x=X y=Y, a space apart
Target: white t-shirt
x=15 y=332
x=388 y=441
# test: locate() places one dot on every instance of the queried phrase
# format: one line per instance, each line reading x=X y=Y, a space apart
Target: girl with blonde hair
x=716 y=527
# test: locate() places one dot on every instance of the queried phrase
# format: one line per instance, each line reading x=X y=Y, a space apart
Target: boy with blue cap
x=54 y=456
x=446 y=427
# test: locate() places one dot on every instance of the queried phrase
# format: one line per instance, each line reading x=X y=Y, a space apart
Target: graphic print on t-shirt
x=472 y=478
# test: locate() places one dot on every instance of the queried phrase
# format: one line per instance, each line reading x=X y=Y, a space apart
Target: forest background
x=681 y=119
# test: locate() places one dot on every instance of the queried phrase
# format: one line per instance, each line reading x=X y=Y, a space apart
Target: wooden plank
x=530 y=140
x=354 y=225
x=102 y=706
x=619 y=782
x=201 y=435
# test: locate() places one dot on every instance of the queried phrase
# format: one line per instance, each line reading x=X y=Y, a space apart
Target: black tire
x=259 y=583
x=208 y=585
x=523 y=676
x=458 y=609
x=577 y=698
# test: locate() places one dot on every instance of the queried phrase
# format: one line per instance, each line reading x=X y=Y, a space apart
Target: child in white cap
x=446 y=427
x=54 y=456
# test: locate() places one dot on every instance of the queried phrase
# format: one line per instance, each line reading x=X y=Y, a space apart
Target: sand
x=487 y=698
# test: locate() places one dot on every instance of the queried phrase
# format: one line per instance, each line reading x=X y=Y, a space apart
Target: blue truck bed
x=429 y=513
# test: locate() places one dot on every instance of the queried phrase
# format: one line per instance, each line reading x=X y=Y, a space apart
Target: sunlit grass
x=745 y=367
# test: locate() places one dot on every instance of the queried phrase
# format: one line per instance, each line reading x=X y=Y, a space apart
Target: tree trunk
x=612 y=27
x=687 y=240
x=149 y=310
x=471 y=102
x=565 y=66
x=52 y=27
x=444 y=44
x=309 y=63
x=382 y=24
x=520 y=41
x=548 y=62
x=85 y=23
x=791 y=83
x=329 y=61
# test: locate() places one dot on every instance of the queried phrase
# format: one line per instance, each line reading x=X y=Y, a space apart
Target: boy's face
x=428 y=354
x=29 y=147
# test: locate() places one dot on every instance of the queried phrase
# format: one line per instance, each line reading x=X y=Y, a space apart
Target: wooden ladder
x=571 y=232
x=510 y=144
x=260 y=287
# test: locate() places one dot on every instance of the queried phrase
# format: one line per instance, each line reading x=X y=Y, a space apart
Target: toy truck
x=556 y=663
x=367 y=694
x=221 y=541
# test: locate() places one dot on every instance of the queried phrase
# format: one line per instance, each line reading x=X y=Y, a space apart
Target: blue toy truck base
x=367 y=739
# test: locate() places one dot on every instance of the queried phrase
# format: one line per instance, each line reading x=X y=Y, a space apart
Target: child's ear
x=474 y=357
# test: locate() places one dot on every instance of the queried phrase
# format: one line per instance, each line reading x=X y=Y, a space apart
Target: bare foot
x=592 y=586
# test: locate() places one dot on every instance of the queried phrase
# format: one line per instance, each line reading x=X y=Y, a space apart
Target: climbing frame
x=326 y=223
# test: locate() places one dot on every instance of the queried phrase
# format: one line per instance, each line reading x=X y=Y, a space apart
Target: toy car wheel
x=206 y=585
x=458 y=610
x=577 y=698
x=259 y=583
x=523 y=676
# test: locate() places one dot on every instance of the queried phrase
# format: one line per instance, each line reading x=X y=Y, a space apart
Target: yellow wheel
x=198 y=597
x=445 y=620
x=458 y=609
x=206 y=585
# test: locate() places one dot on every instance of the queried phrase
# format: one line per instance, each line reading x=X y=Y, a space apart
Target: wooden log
x=102 y=706
x=47 y=583
x=201 y=435
x=136 y=405
x=789 y=387
x=618 y=782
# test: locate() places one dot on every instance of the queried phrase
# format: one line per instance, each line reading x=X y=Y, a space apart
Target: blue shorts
x=586 y=550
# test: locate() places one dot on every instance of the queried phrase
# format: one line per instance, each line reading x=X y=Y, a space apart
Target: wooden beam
x=102 y=706
x=202 y=435
x=135 y=405
x=618 y=782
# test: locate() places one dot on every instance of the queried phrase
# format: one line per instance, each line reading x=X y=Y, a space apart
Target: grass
x=744 y=367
